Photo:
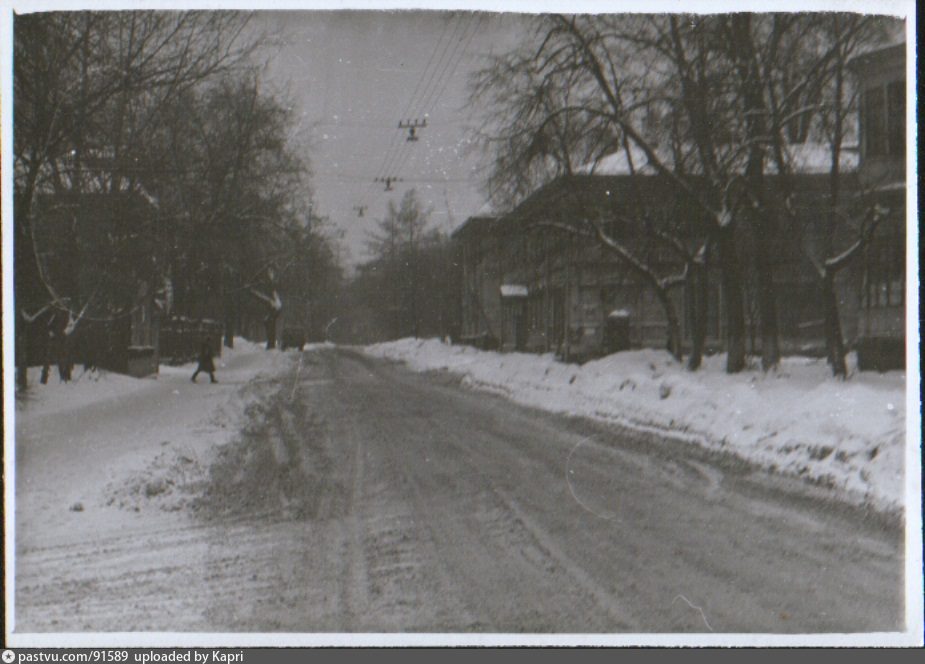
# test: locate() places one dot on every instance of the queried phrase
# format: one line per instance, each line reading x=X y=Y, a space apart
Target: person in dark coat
x=205 y=361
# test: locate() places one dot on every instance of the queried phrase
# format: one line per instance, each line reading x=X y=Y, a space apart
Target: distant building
x=481 y=243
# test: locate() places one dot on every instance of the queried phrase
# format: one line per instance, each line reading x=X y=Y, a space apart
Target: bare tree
x=86 y=86
x=827 y=103
x=727 y=94
x=229 y=171
x=554 y=107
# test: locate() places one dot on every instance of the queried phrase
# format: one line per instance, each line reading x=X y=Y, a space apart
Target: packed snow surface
x=246 y=359
x=105 y=443
x=797 y=420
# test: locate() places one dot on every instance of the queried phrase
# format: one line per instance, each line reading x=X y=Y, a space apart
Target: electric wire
x=394 y=141
x=403 y=145
x=452 y=65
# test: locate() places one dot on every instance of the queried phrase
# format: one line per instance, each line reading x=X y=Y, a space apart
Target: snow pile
x=798 y=421
x=169 y=481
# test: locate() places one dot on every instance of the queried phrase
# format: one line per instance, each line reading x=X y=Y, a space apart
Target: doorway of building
x=520 y=325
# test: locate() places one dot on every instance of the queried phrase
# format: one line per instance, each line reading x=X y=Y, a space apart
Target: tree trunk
x=65 y=355
x=835 y=343
x=230 y=319
x=674 y=324
x=699 y=300
x=22 y=368
x=756 y=129
x=46 y=359
x=22 y=256
x=270 y=326
x=734 y=300
x=767 y=298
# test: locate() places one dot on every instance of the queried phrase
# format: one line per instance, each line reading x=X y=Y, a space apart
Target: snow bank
x=798 y=421
x=105 y=447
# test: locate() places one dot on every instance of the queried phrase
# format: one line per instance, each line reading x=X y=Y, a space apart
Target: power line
x=455 y=59
x=400 y=156
x=388 y=154
x=451 y=43
x=429 y=61
x=361 y=125
x=342 y=177
x=393 y=159
x=451 y=65
x=477 y=21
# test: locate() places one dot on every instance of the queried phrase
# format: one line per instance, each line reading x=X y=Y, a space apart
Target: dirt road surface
x=362 y=497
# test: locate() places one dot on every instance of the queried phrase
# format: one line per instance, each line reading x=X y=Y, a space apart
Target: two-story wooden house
x=531 y=285
x=881 y=80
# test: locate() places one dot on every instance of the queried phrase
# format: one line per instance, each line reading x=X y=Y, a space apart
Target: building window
x=896 y=118
x=873 y=122
x=883 y=120
x=884 y=271
x=536 y=313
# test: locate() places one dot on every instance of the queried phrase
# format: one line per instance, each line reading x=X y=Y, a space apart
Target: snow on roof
x=899 y=185
x=617 y=163
x=806 y=158
x=487 y=210
x=473 y=224
x=513 y=290
x=815 y=158
x=895 y=44
x=619 y=313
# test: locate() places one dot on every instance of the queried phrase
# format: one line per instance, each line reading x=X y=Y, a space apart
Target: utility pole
x=387 y=181
x=412 y=126
x=395 y=278
x=413 y=268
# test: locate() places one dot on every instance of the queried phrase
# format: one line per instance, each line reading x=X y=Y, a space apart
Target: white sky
x=353 y=75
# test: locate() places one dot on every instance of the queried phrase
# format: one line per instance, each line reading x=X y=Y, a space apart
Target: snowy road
x=362 y=497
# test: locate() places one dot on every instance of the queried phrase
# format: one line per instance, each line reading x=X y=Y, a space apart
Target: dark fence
x=106 y=344
x=181 y=338
x=881 y=354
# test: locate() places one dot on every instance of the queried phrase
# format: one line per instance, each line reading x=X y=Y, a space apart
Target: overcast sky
x=353 y=75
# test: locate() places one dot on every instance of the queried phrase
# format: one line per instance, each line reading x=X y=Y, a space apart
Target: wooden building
x=529 y=285
x=881 y=79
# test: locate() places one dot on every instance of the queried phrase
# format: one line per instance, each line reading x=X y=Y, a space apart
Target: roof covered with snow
x=513 y=290
x=805 y=158
x=816 y=158
x=893 y=50
x=474 y=224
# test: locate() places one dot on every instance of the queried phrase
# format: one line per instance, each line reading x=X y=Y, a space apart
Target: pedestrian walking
x=205 y=360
